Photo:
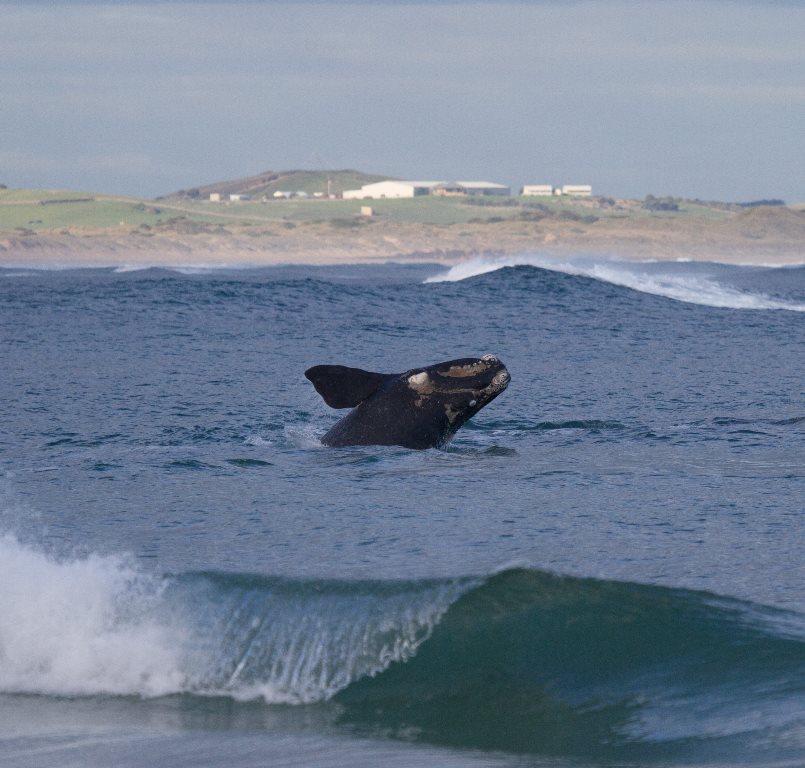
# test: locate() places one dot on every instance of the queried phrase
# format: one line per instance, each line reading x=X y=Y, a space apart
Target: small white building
x=537 y=190
x=239 y=197
x=215 y=197
x=577 y=190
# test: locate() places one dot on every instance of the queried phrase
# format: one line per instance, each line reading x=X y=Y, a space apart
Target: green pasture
x=12 y=196
x=589 y=206
x=37 y=210
x=418 y=210
x=23 y=210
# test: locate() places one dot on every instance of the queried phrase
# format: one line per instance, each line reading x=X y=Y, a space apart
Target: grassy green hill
x=269 y=182
x=24 y=211
x=34 y=210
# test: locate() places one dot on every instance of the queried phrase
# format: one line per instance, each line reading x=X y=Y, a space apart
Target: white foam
x=257 y=440
x=86 y=626
x=673 y=283
x=307 y=436
x=185 y=269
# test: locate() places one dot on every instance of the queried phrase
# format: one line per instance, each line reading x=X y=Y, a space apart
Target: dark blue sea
x=605 y=567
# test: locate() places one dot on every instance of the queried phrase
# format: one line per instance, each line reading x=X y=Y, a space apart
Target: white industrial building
x=546 y=190
x=402 y=189
x=577 y=190
x=537 y=190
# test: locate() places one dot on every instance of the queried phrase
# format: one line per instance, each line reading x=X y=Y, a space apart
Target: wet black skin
x=393 y=409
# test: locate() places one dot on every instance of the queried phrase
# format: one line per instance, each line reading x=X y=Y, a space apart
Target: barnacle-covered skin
x=420 y=408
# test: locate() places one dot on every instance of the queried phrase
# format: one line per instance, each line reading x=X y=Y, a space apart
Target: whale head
x=458 y=387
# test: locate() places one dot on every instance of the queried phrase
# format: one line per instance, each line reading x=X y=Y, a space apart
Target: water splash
x=86 y=626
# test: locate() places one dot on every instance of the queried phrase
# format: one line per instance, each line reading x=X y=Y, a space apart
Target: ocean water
x=605 y=567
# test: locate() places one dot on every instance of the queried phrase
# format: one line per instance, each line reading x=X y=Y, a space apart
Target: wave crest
x=520 y=660
x=682 y=281
x=97 y=625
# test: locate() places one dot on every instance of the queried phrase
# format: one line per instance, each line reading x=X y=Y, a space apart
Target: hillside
x=269 y=182
x=64 y=227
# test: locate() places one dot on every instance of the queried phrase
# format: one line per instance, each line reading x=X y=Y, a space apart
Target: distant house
x=215 y=197
x=577 y=190
x=282 y=195
x=537 y=190
x=239 y=197
x=406 y=189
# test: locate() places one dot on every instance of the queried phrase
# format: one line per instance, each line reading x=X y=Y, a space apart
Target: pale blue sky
x=701 y=99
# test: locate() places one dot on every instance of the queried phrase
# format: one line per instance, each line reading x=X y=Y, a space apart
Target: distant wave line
x=673 y=283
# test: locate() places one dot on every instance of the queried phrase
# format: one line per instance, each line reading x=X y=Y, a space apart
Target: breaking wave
x=695 y=283
x=522 y=660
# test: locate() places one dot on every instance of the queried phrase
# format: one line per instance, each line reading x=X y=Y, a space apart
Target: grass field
x=420 y=210
x=26 y=210
x=46 y=210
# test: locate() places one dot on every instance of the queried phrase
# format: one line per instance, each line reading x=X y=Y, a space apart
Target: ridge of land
x=63 y=227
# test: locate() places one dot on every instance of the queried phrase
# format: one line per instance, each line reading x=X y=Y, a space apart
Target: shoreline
x=729 y=242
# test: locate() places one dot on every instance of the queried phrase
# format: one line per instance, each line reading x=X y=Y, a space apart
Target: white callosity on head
x=451 y=412
x=420 y=382
x=498 y=384
x=500 y=381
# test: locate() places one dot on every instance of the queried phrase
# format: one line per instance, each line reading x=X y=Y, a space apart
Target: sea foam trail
x=676 y=280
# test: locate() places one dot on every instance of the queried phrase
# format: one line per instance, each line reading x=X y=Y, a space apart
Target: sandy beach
x=763 y=236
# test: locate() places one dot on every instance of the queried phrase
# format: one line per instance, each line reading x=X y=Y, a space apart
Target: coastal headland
x=58 y=228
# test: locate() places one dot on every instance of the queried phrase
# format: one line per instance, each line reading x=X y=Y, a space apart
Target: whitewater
x=604 y=566
x=706 y=284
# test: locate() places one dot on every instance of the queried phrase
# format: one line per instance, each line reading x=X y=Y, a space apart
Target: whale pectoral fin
x=343 y=387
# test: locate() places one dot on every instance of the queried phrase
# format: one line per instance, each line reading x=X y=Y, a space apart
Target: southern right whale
x=420 y=408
